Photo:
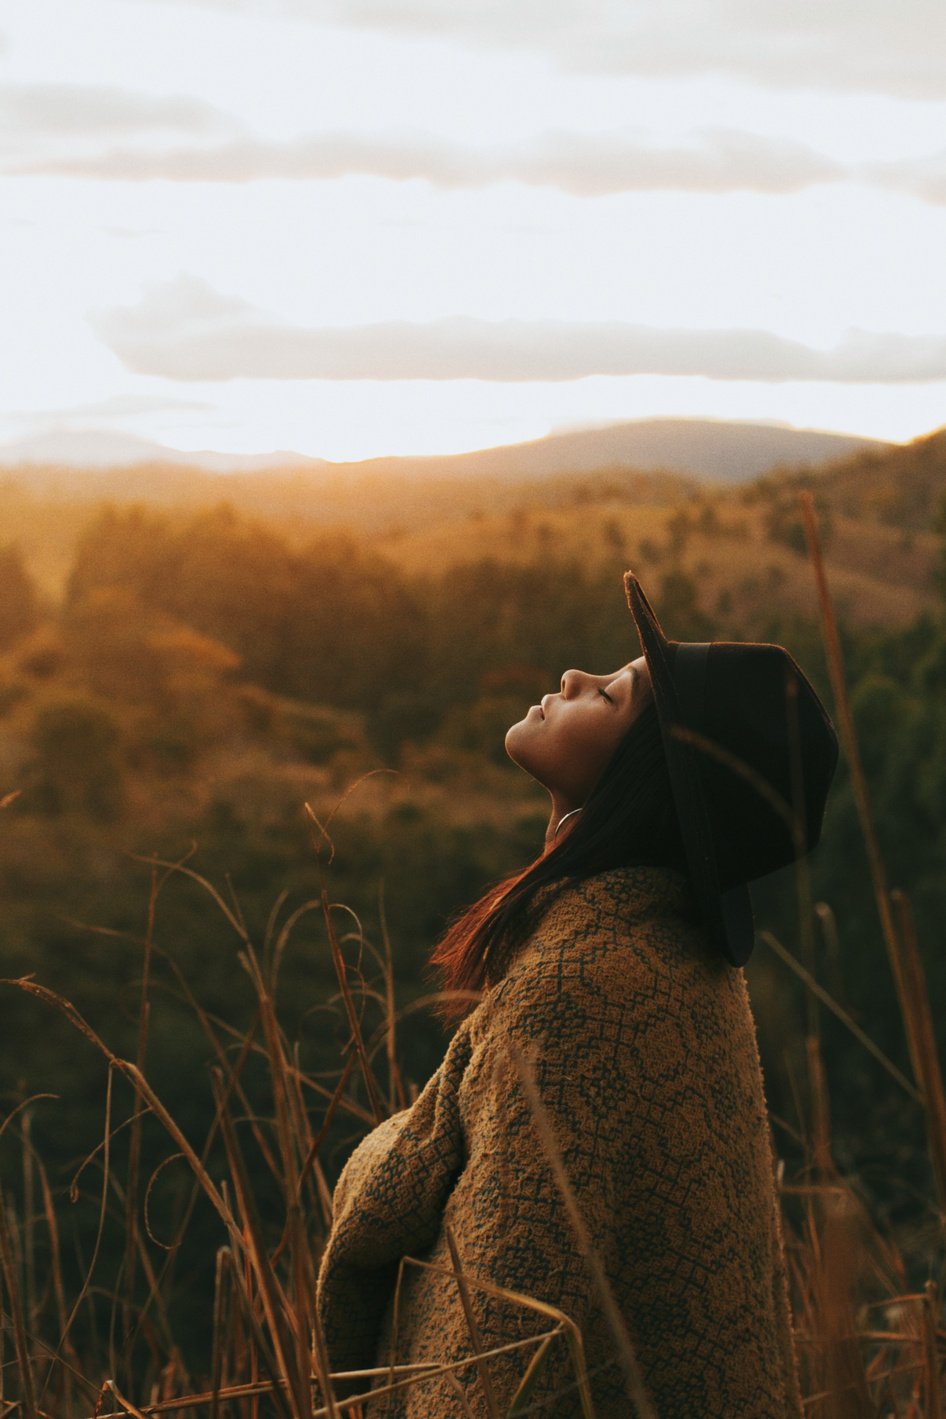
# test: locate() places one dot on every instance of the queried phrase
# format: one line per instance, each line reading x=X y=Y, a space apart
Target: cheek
x=574 y=758
x=568 y=756
x=587 y=756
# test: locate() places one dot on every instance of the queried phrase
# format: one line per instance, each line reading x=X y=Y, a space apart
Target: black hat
x=751 y=753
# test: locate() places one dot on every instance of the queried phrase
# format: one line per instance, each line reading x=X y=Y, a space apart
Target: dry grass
x=868 y=1345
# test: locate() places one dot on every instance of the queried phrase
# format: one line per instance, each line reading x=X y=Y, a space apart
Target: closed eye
x=606 y=695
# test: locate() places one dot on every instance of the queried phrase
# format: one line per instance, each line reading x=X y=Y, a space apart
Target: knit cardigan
x=641 y=1044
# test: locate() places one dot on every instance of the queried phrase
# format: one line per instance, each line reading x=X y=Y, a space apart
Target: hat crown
x=763 y=749
x=750 y=752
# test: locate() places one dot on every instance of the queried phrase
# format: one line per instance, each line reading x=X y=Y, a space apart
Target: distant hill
x=709 y=449
x=104 y=449
x=713 y=450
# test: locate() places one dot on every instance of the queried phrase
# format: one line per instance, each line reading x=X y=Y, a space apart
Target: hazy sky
x=352 y=227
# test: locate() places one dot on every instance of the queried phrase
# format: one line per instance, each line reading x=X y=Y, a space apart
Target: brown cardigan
x=643 y=1049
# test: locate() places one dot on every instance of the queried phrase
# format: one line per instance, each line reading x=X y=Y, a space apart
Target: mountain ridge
x=727 y=451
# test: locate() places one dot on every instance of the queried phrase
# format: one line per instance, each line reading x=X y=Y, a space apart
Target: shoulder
x=627 y=920
x=624 y=944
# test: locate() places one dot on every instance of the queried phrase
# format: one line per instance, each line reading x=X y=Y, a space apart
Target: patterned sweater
x=642 y=1046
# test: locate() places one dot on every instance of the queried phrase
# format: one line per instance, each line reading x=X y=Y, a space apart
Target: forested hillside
x=900 y=487
x=193 y=678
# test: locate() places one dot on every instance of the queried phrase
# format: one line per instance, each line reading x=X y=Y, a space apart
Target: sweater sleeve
x=389 y=1203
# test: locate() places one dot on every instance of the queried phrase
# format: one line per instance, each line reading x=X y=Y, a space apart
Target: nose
x=571 y=682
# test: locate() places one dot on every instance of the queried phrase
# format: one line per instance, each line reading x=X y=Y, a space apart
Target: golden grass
x=868 y=1345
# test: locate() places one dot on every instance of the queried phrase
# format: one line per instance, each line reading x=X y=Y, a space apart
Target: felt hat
x=751 y=753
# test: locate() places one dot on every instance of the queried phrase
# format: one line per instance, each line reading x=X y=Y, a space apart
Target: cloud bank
x=924 y=178
x=118 y=406
x=185 y=330
x=871 y=46
x=107 y=133
x=36 y=114
x=585 y=165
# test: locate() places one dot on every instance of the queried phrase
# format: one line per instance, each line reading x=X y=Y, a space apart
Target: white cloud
x=714 y=160
x=867 y=45
x=52 y=110
x=118 y=407
x=921 y=177
x=186 y=330
x=61 y=130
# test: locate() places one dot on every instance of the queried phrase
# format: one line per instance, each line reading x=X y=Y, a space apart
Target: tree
x=680 y=608
x=18 y=608
x=75 y=742
x=129 y=547
x=354 y=631
x=939 y=527
x=784 y=524
x=678 y=530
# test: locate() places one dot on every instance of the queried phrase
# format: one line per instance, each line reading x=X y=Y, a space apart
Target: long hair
x=629 y=818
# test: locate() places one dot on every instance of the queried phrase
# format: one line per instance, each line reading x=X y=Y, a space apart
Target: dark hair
x=629 y=818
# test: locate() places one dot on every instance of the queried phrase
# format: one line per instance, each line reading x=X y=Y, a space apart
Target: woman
x=596 y=1138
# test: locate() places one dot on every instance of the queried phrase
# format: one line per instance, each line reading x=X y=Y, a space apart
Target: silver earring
x=565 y=819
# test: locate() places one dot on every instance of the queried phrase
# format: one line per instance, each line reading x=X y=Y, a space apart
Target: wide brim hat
x=751 y=752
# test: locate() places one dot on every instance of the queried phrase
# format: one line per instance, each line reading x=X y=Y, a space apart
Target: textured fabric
x=643 y=1048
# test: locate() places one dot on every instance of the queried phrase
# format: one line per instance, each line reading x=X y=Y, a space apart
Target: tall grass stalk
x=906 y=967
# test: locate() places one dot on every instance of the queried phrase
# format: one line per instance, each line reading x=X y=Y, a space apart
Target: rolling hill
x=708 y=449
x=740 y=542
x=714 y=450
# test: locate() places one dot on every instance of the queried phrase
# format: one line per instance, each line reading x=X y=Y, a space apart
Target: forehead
x=632 y=678
x=638 y=679
x=635 y=667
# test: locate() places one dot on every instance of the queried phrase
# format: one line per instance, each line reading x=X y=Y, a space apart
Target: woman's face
x=566 y=741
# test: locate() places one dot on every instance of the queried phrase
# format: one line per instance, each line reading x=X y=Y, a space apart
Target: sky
x=362 y=227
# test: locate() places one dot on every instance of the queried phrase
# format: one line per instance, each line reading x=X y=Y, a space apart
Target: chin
x=524 y=751
x=516 y=737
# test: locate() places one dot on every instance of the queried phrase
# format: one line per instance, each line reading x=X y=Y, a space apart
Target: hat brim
x=727 y=914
